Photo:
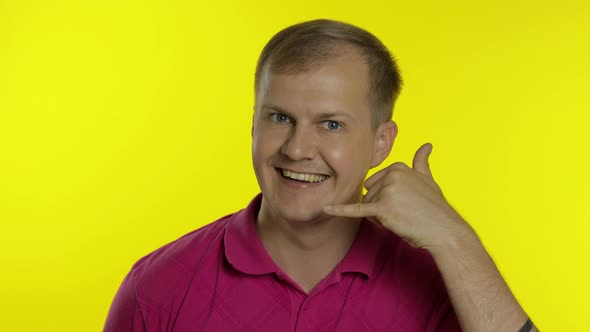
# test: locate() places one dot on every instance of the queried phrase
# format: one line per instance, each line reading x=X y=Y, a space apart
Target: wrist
x=459 y=236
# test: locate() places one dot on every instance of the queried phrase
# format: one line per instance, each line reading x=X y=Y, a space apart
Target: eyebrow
x=324 y=115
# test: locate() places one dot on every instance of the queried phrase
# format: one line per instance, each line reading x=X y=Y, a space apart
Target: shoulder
x=412 y=272
x=152 y=292
x=411 y=275
x=412 y=262
x=171 y=267
x=391 y=257
x=187 y=247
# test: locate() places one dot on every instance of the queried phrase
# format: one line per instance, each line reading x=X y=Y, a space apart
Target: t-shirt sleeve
x=445 y=319
x=124 y=314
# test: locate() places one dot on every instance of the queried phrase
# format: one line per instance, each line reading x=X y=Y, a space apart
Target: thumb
x=420 y=162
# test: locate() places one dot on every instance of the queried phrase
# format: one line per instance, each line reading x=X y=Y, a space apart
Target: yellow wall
x=124 y=125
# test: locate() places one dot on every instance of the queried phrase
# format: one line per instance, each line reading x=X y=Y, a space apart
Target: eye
x=332 y=125
x=280 y=118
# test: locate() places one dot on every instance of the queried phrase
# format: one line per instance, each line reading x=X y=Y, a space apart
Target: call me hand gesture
x=408 y=202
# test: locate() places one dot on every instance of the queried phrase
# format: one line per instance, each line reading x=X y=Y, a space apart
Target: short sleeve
x=124 y=314
x=443 y=317
x=447 y=321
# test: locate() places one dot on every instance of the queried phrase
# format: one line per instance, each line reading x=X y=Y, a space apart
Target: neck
x=306 y=251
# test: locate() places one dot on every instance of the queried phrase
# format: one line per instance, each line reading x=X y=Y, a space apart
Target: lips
x=302 y=176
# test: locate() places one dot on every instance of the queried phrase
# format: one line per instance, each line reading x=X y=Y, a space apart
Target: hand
x=408 y=202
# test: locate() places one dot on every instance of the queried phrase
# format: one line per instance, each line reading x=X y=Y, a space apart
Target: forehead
x=341 y=82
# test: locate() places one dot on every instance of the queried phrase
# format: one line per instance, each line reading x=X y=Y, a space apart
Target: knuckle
x=396 y=174
x=358 y=208
x=391 y=190
x=399 y=165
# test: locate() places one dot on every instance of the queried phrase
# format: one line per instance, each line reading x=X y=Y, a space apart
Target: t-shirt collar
x=245 y=252
x=243 y=248
x=363 y=255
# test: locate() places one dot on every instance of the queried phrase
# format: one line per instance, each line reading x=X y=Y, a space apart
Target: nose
x=301 y=144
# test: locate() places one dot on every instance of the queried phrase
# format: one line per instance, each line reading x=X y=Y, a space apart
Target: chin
x=300 y=214
x=298 y=217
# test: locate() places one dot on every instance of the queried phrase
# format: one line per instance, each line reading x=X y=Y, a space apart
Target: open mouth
x=302 y=177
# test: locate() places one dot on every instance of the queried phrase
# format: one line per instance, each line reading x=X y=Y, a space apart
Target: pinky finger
x=357 y=210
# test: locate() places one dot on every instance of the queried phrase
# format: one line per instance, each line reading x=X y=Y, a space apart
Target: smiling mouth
x=302 y=177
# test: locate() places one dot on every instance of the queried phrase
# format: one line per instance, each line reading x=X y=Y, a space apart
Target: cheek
x=265 y=143
x=347 y=158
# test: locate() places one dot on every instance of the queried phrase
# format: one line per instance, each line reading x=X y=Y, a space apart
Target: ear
x=384 y=137
x=253 y=118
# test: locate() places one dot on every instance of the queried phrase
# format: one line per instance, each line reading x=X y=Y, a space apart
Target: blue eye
x=332 y=125
x=281 y=118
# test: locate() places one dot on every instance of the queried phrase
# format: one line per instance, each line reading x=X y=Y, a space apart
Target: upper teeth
x=304 y=176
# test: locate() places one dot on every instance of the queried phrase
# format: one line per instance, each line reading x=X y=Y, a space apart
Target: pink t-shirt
x=220 y=278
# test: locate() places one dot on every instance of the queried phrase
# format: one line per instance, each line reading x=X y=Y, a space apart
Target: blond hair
x=305 y=46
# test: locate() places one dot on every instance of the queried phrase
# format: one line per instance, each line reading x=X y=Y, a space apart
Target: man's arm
x=479 y=294
x=408 y=202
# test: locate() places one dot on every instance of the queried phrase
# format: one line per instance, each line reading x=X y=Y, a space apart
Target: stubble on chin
x=300 y=213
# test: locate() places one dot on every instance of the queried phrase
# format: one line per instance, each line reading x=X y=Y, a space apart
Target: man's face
x=313 y=142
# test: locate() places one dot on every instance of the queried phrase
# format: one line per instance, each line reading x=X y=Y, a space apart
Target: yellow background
x=124 y=125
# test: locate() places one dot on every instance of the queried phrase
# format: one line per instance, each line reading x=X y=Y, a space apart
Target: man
x=312 y=252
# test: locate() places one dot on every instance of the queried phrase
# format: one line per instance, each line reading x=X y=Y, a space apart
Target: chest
x=271 y=304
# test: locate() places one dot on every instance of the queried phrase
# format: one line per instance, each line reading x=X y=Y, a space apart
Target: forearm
x=480 y=296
